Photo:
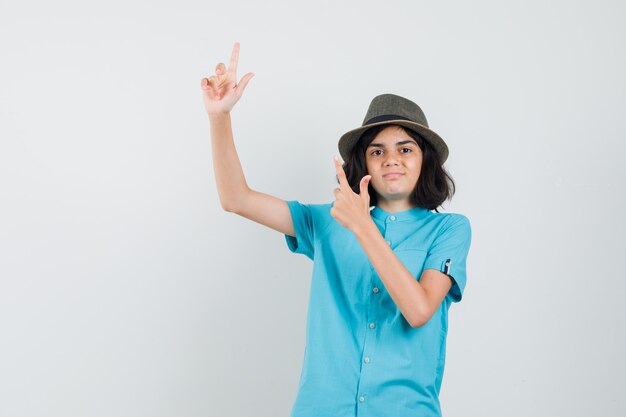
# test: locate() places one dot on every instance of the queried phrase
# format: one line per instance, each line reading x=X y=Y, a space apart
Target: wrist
x=219 y=117
x=365 y=229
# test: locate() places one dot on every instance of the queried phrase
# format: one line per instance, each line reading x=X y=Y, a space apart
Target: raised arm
x=221 y=91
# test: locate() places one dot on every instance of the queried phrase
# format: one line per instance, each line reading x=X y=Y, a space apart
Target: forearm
x=404 y=289
x=229 y=177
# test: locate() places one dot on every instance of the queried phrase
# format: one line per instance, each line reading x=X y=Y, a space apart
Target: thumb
x=243 y=83
x=363 y=185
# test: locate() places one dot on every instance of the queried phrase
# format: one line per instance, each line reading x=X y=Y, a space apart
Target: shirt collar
x=411 y=214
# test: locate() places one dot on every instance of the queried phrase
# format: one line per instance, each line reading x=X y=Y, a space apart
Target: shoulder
x=315 y=210
x=315 y=218
x=450 y=218
x=321 y=214
x=310 y=206
x=458 y=219
x=321 y=208
x=452 y=224
x=318 y=214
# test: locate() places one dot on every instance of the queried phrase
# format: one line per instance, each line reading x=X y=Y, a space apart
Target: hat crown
x=387 y=106
x=390 y=109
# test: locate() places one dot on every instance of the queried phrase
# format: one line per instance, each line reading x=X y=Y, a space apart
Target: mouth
x=392 y=175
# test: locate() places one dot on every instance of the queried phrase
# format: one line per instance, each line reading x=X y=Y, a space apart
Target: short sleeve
x=451 y=247
x=302 y=218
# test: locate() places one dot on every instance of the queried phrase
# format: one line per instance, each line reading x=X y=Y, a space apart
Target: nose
x=392 y=159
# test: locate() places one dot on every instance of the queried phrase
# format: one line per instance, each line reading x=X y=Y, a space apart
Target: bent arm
x=417 y=301
x=234 y=193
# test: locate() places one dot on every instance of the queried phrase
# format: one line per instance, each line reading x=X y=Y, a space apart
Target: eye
x=406 y=149
x=376 y=152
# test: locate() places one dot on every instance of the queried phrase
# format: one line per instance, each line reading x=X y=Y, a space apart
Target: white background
x=125 y=290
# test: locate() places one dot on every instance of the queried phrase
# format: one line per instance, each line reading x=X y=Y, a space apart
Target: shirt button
x=372 y=325
x=392 y=218
x=375 y=290
x=362 y=399
x=367 y=359
x=389 y=242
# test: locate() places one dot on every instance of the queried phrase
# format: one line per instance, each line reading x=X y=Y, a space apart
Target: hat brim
x=350 y=138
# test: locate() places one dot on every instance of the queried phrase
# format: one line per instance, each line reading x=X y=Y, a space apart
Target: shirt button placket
x=390 y=219
x=370 y=338
x=368 y=345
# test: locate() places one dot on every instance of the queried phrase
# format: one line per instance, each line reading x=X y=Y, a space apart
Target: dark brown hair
x=433 y=187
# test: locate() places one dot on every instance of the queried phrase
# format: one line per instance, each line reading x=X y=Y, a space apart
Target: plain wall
x=125 y=289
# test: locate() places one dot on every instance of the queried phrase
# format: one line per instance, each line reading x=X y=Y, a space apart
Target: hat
x=396 y=110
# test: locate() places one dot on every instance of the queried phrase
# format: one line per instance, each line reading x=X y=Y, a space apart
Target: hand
x=221 y=90
x=351 y=210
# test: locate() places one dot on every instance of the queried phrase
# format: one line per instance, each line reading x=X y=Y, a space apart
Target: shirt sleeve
x=451 y=247
x=303 y=225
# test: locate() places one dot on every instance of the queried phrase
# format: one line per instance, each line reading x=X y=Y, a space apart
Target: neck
x=394 y=206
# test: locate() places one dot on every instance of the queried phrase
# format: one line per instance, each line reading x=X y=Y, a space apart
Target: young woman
x=384 y=277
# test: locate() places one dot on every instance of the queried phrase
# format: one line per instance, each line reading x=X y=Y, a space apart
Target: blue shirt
x=362 y=358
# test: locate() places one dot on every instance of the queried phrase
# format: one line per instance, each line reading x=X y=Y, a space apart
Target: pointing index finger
x=341 y=174
x=234 y=58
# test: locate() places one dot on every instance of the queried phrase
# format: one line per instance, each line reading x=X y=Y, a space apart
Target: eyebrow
x=380 y=145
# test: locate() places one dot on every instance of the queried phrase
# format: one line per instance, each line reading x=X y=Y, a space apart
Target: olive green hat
x=395 y=110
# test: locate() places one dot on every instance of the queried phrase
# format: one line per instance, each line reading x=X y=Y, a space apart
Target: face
x=394 y=160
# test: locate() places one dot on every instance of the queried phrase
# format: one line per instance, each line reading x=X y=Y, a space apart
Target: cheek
x=417 y=166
